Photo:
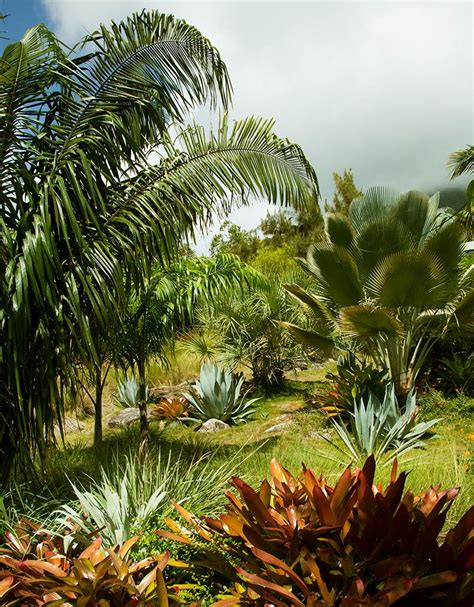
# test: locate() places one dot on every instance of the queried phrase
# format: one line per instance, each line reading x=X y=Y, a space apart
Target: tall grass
x=135 y=491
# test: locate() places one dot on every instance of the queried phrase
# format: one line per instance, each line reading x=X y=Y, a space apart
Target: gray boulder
x=213 y=425
x=124 y=418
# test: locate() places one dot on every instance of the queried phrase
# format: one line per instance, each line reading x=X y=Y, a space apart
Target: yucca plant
x=137 y=491
x=37 y=568
x=128 y=392
x=380 y=428
x=300 y=542
x=388 y=282
x=217 y=395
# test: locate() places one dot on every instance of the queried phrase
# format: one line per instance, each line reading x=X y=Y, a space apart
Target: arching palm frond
x=86 y=214
x=462 y=161
x=26 y=69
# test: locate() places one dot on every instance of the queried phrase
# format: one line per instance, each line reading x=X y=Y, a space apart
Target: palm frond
x=367 y=321
x=142 y=74
x=462 y=161
x=410 y=279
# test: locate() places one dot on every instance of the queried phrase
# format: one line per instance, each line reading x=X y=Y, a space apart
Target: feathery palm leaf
x=86 y=213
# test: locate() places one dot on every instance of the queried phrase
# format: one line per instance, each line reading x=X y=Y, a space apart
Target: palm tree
x=100 y=178
x=242 y=328
x=388 y=281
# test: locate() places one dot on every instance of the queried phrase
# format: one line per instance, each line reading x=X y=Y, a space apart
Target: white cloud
x=382 y=87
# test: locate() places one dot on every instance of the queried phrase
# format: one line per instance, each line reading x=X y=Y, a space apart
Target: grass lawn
x=448 y=459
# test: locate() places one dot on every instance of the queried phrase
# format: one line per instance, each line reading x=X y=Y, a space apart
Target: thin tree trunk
x=142 y=396
x=98 y=407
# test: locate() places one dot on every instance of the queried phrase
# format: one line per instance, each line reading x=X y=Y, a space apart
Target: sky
x=384 y=88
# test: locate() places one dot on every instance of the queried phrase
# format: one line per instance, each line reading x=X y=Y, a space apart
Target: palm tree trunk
x=142 y=384
x=98 y=407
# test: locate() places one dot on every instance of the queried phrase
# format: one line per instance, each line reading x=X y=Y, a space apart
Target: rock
x=282 y=418
x=124 y=418
x=70 y=424
x=291 y=407
x=213 y=425
x=322 y=434
x=158 y=392
x=89 y=410
x=279 y=427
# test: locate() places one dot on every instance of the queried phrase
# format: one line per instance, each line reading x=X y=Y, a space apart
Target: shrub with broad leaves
x=38 y=568
x=302 y=542
x=171 y=409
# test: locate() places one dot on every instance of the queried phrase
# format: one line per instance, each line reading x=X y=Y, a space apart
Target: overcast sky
x=385 y=88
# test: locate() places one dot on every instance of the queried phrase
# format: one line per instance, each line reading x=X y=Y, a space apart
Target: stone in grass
x=213 y=425
x=124 y=418
x=279 y=427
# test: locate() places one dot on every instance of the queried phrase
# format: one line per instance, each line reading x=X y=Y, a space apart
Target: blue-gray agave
x=216 y=395
x=381 y=428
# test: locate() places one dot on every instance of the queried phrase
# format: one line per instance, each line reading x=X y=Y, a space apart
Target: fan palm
x=246 y=325
x=388 y=281
x=87 y=208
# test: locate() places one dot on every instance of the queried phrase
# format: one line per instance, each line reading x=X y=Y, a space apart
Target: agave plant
x=300 y=542
x=379 y=427
x=128 y=392
x=216 y=395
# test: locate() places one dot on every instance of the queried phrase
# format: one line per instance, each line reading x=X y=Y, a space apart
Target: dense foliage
x=302 y=542
x=87 y=208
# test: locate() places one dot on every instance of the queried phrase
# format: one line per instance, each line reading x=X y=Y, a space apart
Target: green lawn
x=448 y=459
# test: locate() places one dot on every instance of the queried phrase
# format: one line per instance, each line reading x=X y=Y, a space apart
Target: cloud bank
x=382 y=87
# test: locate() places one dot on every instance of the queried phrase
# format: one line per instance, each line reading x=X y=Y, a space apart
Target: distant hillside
x=454 y=197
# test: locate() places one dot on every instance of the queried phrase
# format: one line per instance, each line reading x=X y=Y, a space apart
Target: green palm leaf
x=338 y=229
x=337 y=273
x=410 y=279
x=321 y=312
x=368 y=321
x=321 y=343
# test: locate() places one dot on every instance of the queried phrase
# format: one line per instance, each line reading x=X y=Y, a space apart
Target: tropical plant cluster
x=302 y=542
x=342 y=337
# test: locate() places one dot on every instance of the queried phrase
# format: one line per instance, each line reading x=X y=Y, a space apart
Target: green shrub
x=456 y=373
x=354 y=380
